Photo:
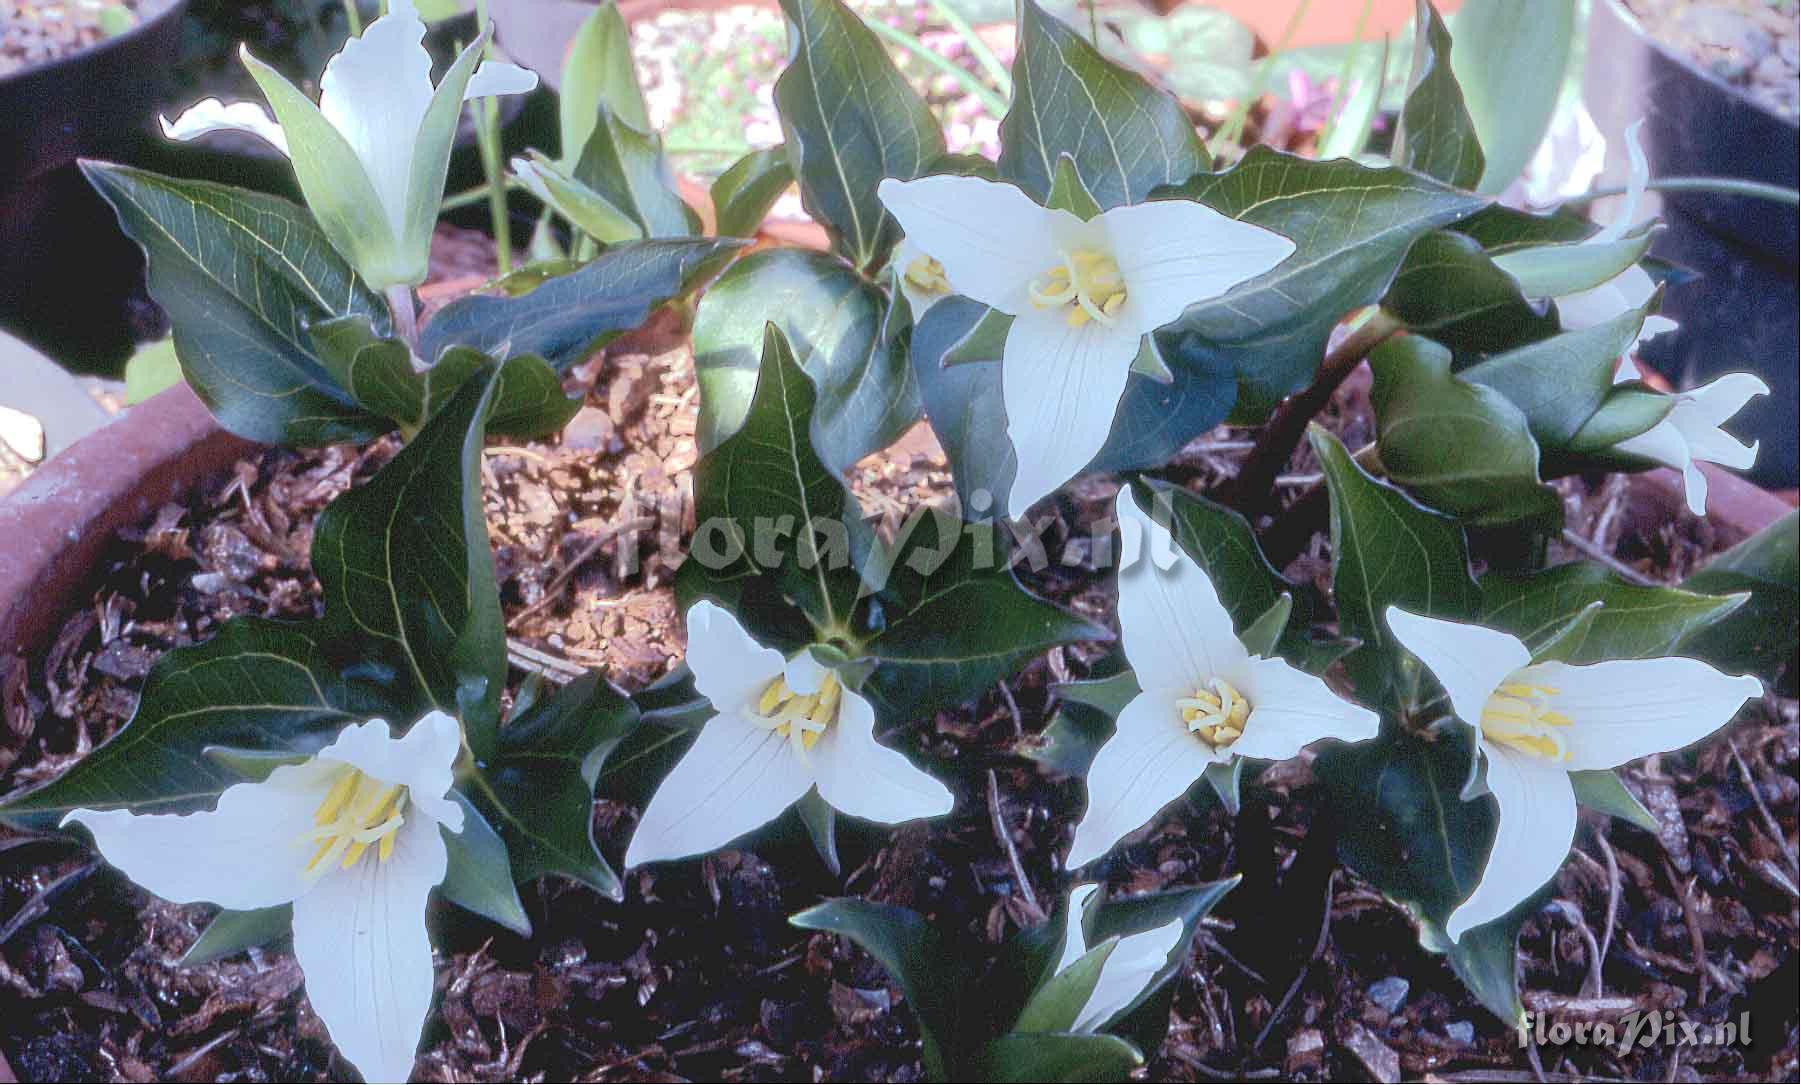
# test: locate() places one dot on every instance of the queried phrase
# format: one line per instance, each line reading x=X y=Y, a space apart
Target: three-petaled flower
x=352 y=837
x=1082 y=294
x=1130 y=965
x=1538 y=722
x=1691 y=433
x=783 y=726
x=371 y=157
x=1205 y=698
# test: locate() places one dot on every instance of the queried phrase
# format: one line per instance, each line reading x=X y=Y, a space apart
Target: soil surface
x=34 y=32
x=1304 y=972
x=1748 y=43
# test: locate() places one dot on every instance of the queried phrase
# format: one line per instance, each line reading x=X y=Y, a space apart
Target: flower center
x=358 y=812
x=1519 y=715
x=926 y=275
x=799 y=718
x=1087 y=281
x=1215 y=712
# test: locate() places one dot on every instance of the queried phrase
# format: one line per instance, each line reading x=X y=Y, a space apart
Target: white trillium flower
x=1132 y=963
x=1083 y=296
x=1691 y=434
x=352 y=839
x=1539 y=722
x=371 y=157
x=784 y=726
x=1206 y=699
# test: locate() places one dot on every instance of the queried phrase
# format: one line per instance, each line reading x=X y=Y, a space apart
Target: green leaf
x=1044 y=1057
x=915 y=956
x=588 y=210
x=743 y=194
x=1449 y=290
x=1461 y=448
x=1761 y=635
x=152 y=368
x=1601 y=789
x=1262 y=636
x=850 y=119
x=407 y=573
x=256 y=685
x=929 y=652
x=1068 y=193
x=570 y=316
x=1511 y=63
x=1436 y=136
x=599 y=72
x=821 y=822
x=1070 y=740
x=1126 y=136
x=1486 y=960
x=1221 y=542
x=1634 y=622
x=1225 y=777
x=1146 y=1019
x=838 y=325
x=407 y=262
x=479 y=876
x=1352 y=226
x=1349 y=131
x=1057 y=1004
x=231 y=933
x=538 y=789
x=627 y=168
x=1387 y=550
x=242 y=276
x=1109 y=695
x=814 y=559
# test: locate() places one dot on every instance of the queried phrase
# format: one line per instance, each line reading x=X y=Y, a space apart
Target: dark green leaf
x=627 y=168
x=821 y=822
x=242 y=275
x=836 y=321
x=1450 y=290
x=1437 y=137
x=964 y=405
x=1225 y=777
x=1761 y=635
x=1221 y=541
x=1634 y=622
x=599 y=71
x=850 y=119
x=231 y=933
x=1560 y=382
x=538 y=790
x=1486 y=960
x=1352 y=226
x=1146 y=1019
x=407 y=574
x=1460 y=447
x=744 y=193
x=1057 y=1004
x=570 y=316
x=1126 y=136
x=1601 y=789
x=1109 y=695
x=1068 y=743
x=479 y=876
x=1045 y=1057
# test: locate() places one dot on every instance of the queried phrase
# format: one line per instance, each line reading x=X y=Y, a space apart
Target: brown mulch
x=1304 y=972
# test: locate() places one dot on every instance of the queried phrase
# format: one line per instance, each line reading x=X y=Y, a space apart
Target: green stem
x=1234 y=127
x=1345 y=72
x=354 y=17
x=469 y=197
x=994 y=102
x=977 y=47
x=1725 y=186
x=487 y=130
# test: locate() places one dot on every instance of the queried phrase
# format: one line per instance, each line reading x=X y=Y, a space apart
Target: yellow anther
x=357 y=812
x=1518 y=715
x=1088 y=281
x=801 y=719
x=1216 y=713
x=927 y=276
x=336 y=798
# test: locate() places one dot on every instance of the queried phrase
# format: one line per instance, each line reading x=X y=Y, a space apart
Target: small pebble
x=1389 y=993
x=1462 y=1033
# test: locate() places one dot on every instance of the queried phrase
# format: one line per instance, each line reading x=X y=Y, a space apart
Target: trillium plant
x=1064 y=320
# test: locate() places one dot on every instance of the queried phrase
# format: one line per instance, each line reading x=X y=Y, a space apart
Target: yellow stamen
x=1518 y=715
x=926 y=275
x=1216 y=713
x=1087 y=281
x=357 y=812
x=801 y=719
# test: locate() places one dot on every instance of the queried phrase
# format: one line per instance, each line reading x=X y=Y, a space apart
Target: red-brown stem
x=1254 y=490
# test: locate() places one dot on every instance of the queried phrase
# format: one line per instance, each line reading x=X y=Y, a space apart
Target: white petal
x=1147 y=764
x=212 y=115
x=1536 y=822
x=1627 y=371
x=1174 y=630
x=1629 y=708
x=1469 y=661
x=1291 y=709
x=863 y=778
x=804 y=674
x=1135 y=961
x=361 y=942
x=1662 y=443
x=1638 y=178
x=990 y=237
x=1061 y=386
x=1699 y=414
x=421 y=761
x=734 y=778
x=1075 y=945
x=247 y=852
x=497 y=77
x=1174 y=253
x=730 y=668
x=1588 y=308
x=375 y=93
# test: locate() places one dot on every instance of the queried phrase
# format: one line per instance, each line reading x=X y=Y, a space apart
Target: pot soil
x=1308 y=973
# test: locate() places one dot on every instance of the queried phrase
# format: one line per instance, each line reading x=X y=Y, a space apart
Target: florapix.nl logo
x=1637 y=1028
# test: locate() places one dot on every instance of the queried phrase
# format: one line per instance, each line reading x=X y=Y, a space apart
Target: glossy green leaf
x=568 y=317
x=1449 y=289
x=1460 y=447
x=743 y=194
x=1511 y=62
x=1044 y=1057
x=626 y=167
x=242 y=276
x=1057 y=1004
x=479 y=875
x=1126 y=136
x=821 y=822
x=538 y=789
x=1762 y=635
x=151 y=368
x=1263 y=635
x=850 y=119
x=598 y=72
x=1560 y=382
x=1070 y=740
x=1109 y=695
x=407 y=574
x=408 y=262
x=1145 y=1020
x=838 y=325
x=1352 y=226
x=1486 y=959
x=1220 y=541
x=1551 y=271
x=231 y=933
x=1436 y=136
x=1601 y=789
x=1634 y=622
x=585 y=208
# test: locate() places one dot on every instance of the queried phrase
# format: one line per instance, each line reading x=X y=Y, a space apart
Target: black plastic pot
x=1741 y=313
x=70 y=282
